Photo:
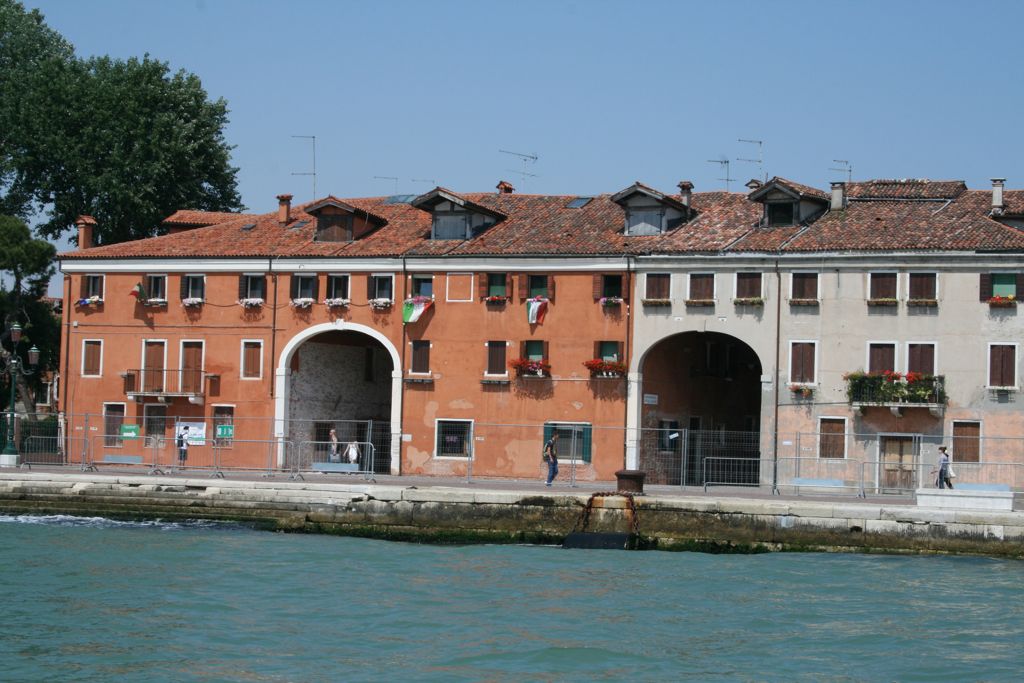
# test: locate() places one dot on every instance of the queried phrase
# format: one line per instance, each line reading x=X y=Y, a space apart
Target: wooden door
x=897 y=455
x=153 y=367
x=192 y=367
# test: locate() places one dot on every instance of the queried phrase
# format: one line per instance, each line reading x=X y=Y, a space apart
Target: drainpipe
x=66 y=314
x=626 y=354
x=273 y=330
x=401 y=370
x=777 y=379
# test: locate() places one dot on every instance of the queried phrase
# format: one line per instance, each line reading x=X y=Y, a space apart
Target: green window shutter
x=586 y=442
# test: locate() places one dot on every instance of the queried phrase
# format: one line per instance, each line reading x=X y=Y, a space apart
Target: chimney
x=284 y=208
x=505 y=187
x=86 y=229
x=685 y=192
x=997 y=195
x=838 y=196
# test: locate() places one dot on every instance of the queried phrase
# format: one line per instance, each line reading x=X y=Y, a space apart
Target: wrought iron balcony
x=163 y=382
x=896 y=391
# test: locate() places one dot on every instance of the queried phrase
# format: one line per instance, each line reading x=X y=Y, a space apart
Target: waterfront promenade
x=433 y=509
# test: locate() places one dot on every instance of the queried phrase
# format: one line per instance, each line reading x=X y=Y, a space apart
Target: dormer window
x=333 y=227
x=451 y=226
x=453 y=217
x=649 y=212
x=338 y=221
x=645 y=221
x=780 y=213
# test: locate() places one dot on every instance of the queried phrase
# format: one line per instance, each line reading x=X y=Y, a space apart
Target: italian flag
x=138 y=291
x=412 y=310
x=535 y=310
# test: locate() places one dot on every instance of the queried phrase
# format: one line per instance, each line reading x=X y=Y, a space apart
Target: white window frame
x=817 y=283
x=471 y=440
x=248 y=285
x=448 y=289
x=817 y=361
x=846 y=436
x=714 y=283
x=47 y=393
x=736 y=283
x=241 y=360
x=103 y=284
x=82 y=367
x=149 y=278
x=124 y=416
x=906 y=293
x=421 y=276
x=348 y=286
x=935 y=355
x=181 y=362
x=870 y=273
x=895 y=353
x=1016 y=365
x=305 y=277
x=488 y=348
x=572 y=423
x=660 y=272
x=993 y=273
x=383 y=275
x=188 y=290
x=430 y=346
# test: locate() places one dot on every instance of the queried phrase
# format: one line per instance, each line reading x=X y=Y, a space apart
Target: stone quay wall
x=438 y=514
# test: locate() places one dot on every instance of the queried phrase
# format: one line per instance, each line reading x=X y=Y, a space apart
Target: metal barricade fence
x=819 y=475
x=979 y=476
x=353 y=457
x=677 y=456
x=724 y=471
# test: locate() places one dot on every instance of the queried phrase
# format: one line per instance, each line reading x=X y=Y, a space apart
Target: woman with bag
x=946 y=473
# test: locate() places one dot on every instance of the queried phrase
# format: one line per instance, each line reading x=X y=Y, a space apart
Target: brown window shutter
x=625 y=287
x=522 y=349
x=1019 y=285
x=524 y=286
x=809 y=362
x=995 y=370
x=597 y=350
x=508 y=285
x=316 y=287
x=420 y=356
x=482 y=285
x=293 y=290
x=1009 y=367
x=241 y=287
x=985 y=287
x=369 y=288
x=620 y=352
x=496 y=357
x=547 y=356
x=81 y=287
x=967 y=441
x=263 y=287
x=551 y=286
x=183 y=287
x=883 y=285
x=796 y=367
x=598 y=286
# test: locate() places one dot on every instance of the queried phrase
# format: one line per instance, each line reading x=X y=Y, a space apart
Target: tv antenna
x=388 y=177
x=524 y=174
x=725 y=164
x=527 y=159
x=432 y=181
x=313 y=172
x=760 y=156
x=846 y=168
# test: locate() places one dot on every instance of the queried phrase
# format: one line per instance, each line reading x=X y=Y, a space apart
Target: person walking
x=182 y=446
x=551 y=457
x=945 y=478
x=332 y=452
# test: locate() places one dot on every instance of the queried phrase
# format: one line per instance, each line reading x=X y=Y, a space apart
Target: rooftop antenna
x=388 y=177
x=724 y=163
x=313 y=173
x=846 y=167
x=526 y=159
x=760 y=156
x=432 y=181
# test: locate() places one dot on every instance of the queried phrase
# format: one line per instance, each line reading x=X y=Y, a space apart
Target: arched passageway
x=701 y=410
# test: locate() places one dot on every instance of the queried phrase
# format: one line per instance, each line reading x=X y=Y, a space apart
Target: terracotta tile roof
x=908 y=188
x=800 y=189
x=191 y=217
x=544 y=224
x=1013 y=202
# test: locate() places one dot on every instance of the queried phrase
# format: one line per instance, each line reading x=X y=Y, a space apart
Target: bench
x=335 y=467
x=981 y=487
x=109 y=459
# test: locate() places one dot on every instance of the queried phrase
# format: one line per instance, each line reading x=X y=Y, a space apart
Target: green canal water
x=96 y=600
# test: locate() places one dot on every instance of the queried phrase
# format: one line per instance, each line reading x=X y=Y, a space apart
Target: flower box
x=254 y=302
x=890 y=388
x=609 y=301
x=192 y=302
x=525 y=367
x=656 y=302
x=883 y=302
x=496 y=300
x=749 y=301
x=923 y=303
x=699 y=303
x=801 y=390
x=90 y=301
x=803 y=302
x=302 y=303
x=154 y=303
x=336 y=302
x=605 y=368
x=1002 y=302
x=380 y=304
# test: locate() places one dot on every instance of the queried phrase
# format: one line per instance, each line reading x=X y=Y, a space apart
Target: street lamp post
x=9 y=457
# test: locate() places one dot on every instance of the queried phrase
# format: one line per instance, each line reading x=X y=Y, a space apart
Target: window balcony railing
x=896 y=390
x=161 y=382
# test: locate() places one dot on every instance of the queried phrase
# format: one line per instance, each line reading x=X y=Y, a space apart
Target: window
x=92 y=285
x=658 y=286
x=156 y=287
x=881 y=357
x=333 y=227
x=252 y=286
x=423 y=285
x=781 y=213
x=252 y=359
x=804 y=286
x=748 y=285
x=420 y=357
x=921 y=358
x=702 y=287
x=832 y=437
x=113 y=418
x=154 y=362
x=222 y=415
x=922 y=287
x=453 y=439
x=644 y=221
x=609 y=350
x=92 y=358
x=1002 y=366
x=538 y=285
x=337 y=287
x=802 y=362
x=574 y=440
x=882 y=286
x=1001 y=284
x=191 y=381
x=534 y=350
x=381 y=287
x=497 y=284
x=966 y=445
x=154 y=423
x=193 y=287
x=303 y=286
x=496 y=352
x=451 y=226
x=611 y=286
x=669 y=436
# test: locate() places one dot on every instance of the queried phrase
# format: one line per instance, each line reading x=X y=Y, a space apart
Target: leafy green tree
x=125 y=141
x=28 y=260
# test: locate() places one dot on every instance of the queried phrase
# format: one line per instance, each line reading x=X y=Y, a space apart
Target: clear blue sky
x=604 y=92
